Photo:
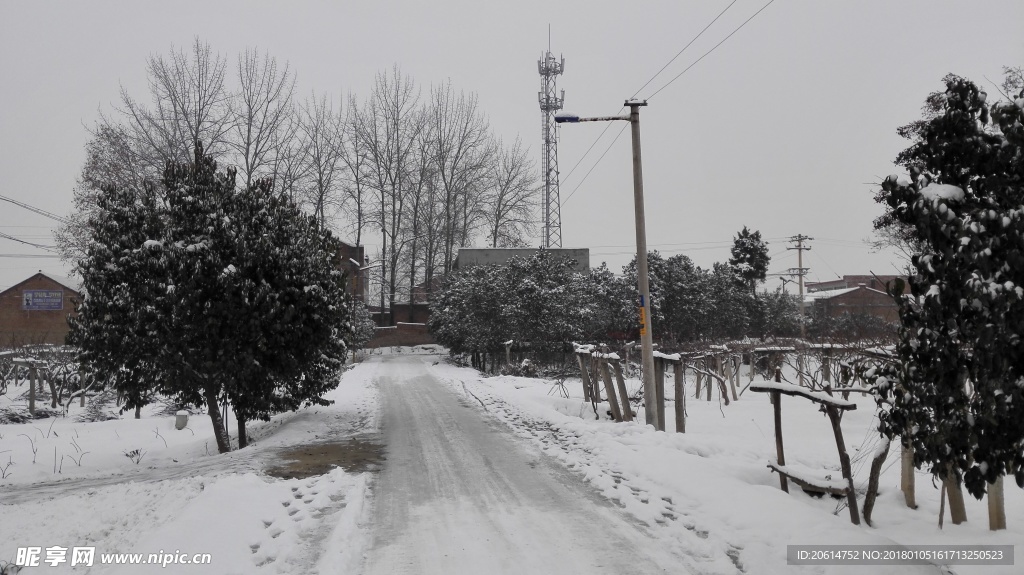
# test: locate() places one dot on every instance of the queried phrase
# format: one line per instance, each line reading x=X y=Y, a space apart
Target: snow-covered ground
x=709 y=490
x=182 y=498
x=705 y=494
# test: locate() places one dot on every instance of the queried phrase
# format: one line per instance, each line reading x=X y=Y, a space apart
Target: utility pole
x=800 y=248
x=643 y=283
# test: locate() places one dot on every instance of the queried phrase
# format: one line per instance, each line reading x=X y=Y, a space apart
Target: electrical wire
x=27 y=243
x=594 y=166
x=715 y=47
x=39 y=211
x=680 y=53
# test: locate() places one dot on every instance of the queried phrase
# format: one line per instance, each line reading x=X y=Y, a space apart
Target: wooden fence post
x=780 y=452
x=679 y=371
x=729 y=372
x=620 y=380
x=609 y=389
x=707 y=379
x=584 y=376
x=697 y=377
x=659 y=391
x=32 y=390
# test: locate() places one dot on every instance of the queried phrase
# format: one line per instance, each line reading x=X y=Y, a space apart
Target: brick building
x=847 y=282
x=855 y=300
x=36 y=310
x=352 y=261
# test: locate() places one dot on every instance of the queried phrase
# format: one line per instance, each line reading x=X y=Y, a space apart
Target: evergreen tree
x=216 y=293
x=956 y=393
x=750 y=258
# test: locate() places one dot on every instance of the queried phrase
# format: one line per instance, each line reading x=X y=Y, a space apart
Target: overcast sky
x=781 y=129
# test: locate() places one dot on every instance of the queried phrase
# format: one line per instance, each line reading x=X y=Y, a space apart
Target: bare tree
x=388 y=127
x=263 y=112
x=323 y=131
x=511 y=198
x=461 y=149
x=356 y=158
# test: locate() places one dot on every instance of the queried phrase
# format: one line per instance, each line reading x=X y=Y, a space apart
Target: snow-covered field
x=705 y=494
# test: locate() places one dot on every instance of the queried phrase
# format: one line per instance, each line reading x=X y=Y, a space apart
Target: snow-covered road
x=461 y=494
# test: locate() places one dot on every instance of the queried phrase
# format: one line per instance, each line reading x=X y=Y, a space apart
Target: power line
x=624 y=126
x=738 y=28
x=39 y=211
x=20 y=241
x=605 y=130
x=680 y=53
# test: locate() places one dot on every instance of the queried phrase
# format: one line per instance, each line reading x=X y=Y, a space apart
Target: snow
x=791 y=389
x=709 y=494
x=706 y=497
x=184 y=497
x=942 y=191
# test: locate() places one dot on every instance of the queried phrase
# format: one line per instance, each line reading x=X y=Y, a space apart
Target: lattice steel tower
x=550 y=102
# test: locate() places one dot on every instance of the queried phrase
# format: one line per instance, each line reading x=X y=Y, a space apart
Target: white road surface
x=460 y=494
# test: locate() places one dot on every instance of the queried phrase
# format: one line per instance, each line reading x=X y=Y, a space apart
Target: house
x=352 y=261
x=36 y=310
x=860 y=299
x=847 y=282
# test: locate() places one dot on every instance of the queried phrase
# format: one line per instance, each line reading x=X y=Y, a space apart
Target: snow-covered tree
x=212 y=293
x=956 y=393
x=750 y=258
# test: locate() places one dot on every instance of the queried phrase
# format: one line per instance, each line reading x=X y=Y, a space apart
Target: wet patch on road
x=353 y=455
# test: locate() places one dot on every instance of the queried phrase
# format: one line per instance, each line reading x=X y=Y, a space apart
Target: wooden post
x=907 y=475
x=707 y=381
x=780 y=452
x=53 y=388
x=996 y=508
x=620 y=381
x=32 y=390
x=609 y=389
x=800 y=366
x=826 y=367
x=659 y=390
x=698 y=377
x=595 y=383
x=729 y=371
x=844 y=462
x=584 y=376
x=753 y=362
x=679 y=371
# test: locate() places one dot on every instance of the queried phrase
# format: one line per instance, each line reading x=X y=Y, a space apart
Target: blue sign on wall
x=42 y=300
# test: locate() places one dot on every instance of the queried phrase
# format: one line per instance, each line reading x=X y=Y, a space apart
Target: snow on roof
x=811 y=296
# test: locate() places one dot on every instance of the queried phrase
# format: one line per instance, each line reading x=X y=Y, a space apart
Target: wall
x=403 y=334
x=861 y=301
x=19 y=326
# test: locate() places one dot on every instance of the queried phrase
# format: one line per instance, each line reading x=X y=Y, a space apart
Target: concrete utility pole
x=643 y=283
x=800 y=248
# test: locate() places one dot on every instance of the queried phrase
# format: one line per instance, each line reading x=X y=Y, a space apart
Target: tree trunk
x=659 y=391
x=844 y=463
x=53 y=391
x=996 y=508
x=217 y=420
x=954 y=490
x=243 y=439
x=876 y=470
x=907 y=475
x=138 y=412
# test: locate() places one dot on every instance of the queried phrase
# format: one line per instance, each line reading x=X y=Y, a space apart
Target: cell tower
x=550 y=102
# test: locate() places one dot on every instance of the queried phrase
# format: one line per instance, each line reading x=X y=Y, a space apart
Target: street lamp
x=643 y=283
